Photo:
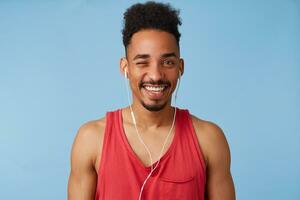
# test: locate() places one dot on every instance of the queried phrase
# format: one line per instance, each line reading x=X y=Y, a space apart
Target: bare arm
x=219 y=183
x=83 y=176
x=219 y=180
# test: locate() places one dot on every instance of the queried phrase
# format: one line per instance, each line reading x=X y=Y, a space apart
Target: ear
x=181 y=66
x=123 y=66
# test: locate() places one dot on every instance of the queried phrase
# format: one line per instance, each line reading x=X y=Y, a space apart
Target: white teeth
x=154 y=89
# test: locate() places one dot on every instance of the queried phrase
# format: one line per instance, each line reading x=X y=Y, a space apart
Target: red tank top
x=180 y=174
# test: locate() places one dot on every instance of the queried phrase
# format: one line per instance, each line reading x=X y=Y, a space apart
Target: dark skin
x=152 y=56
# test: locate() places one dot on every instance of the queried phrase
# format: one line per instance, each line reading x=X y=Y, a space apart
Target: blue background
x=59 y=68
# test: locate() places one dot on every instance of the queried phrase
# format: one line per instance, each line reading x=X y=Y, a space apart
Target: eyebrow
x=141 y=56
x=166 y=55
x=145 y=56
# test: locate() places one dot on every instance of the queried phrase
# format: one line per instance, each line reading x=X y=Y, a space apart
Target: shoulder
x=91 y=129
x=88 y=141
x=212 y=140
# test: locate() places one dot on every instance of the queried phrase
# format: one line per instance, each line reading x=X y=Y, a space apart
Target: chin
x=154 y=108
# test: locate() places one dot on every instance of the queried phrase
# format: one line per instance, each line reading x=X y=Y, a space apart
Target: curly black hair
x=150 y=15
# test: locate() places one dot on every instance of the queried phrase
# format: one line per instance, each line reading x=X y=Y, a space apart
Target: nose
x=155 y=72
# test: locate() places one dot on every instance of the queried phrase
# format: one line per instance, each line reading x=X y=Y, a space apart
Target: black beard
x=154 y=108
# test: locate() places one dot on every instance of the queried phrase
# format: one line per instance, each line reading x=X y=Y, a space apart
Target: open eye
x=168 y=63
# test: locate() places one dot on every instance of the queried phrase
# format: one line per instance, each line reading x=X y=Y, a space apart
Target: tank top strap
x=186 y=126
x=111 y=118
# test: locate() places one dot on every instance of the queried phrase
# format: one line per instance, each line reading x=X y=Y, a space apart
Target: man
x=151 y=150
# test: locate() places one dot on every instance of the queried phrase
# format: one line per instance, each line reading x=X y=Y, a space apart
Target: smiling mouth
x=155 y=91
x=154 y=88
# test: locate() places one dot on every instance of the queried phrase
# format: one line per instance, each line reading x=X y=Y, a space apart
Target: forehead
x=152 y=42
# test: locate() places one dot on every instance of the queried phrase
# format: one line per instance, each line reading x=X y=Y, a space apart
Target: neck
x=152 y=119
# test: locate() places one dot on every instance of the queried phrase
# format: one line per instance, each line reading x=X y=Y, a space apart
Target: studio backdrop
x=59 y=68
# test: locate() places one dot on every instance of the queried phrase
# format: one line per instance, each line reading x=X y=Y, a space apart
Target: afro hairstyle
x=150 y=15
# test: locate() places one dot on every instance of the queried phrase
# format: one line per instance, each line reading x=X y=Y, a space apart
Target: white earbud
x=126 y=75
x=178 y=84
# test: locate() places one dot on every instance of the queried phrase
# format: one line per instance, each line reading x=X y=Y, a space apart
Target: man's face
x=153 y=66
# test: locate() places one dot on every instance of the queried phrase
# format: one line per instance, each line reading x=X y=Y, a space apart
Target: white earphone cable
x=134 y=122
x=141 y=140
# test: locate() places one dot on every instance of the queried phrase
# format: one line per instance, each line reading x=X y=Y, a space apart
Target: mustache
x=151 y=82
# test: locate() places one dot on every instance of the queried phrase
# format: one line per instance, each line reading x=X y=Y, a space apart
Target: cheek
x=175 y=83
x=134 y=83
x=174 y=78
